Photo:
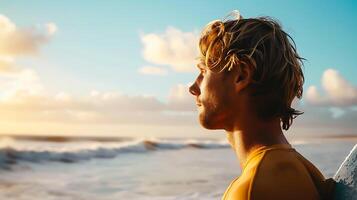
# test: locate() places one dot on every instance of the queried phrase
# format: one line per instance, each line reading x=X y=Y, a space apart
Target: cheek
x=212 y=95
x=218 y=102
x=214 y=99
x=209 y=95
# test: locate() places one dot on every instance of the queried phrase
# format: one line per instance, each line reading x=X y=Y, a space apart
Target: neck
x=246 y=139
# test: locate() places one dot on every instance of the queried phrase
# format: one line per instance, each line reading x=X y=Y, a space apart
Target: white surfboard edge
x=346 y=178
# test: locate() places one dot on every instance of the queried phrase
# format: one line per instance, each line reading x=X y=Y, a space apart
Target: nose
x=194 y=89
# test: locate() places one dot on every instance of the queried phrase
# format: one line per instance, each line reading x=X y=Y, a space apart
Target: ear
x=243 y=76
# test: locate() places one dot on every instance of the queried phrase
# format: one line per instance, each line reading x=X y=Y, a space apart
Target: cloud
x=338 y=92
x=8 y=66
x=17 y=41
x=22 y=41
x=26 y=81
x=181 y=99
x=51 y=28
x=150 y=70
x=24 y=100
x=321 y=120
x=337 y=112
x=31 y=103
x=98 y=110
x=173 y=48
x=25 y=104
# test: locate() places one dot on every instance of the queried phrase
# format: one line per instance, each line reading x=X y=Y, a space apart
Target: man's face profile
x=214 y=97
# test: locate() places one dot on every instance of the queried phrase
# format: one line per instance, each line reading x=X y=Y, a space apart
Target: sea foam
x=12 y=151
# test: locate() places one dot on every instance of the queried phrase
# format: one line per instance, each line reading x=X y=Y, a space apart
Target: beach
x=134 y=168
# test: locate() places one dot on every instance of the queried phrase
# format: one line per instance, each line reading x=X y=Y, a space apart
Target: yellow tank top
x=277 y=172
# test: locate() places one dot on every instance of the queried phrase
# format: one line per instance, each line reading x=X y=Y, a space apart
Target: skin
x=224 y=102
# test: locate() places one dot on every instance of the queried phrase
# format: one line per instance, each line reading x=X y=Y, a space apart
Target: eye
x=200 y=77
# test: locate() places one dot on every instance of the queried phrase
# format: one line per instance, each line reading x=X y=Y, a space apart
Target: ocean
x=134 y=168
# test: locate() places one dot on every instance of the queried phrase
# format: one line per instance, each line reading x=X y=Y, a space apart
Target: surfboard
x=346 y=178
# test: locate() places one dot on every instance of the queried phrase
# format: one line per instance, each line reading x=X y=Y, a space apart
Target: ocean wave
x=12 y=151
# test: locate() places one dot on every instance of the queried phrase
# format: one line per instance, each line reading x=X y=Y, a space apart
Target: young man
x=250 y=72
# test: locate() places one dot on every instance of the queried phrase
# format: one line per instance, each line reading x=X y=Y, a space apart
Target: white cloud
x=321 y=120
x=23 y=98
x=62 y=96
x=98 y=107
x=337 y=112
x=24 y=82
x=181 y=99
x=6 y=26
x=174 y=48
x=313 y=96
x=51 y=28
x=22 y=41
x=99 y=110
x=26 y=105
x=150 y=70
x=337 y=91
x=16 y=41
x=8 y=66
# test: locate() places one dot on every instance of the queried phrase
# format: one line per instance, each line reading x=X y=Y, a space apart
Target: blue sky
x=98 y=44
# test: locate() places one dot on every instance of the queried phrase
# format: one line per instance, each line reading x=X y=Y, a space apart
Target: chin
x=208 y=122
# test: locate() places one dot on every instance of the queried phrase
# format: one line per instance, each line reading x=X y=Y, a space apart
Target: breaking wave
x=13 y=151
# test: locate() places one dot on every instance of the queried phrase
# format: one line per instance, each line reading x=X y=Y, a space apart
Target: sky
x=122 y=67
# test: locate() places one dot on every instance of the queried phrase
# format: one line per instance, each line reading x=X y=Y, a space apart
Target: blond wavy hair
x=262 y=45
